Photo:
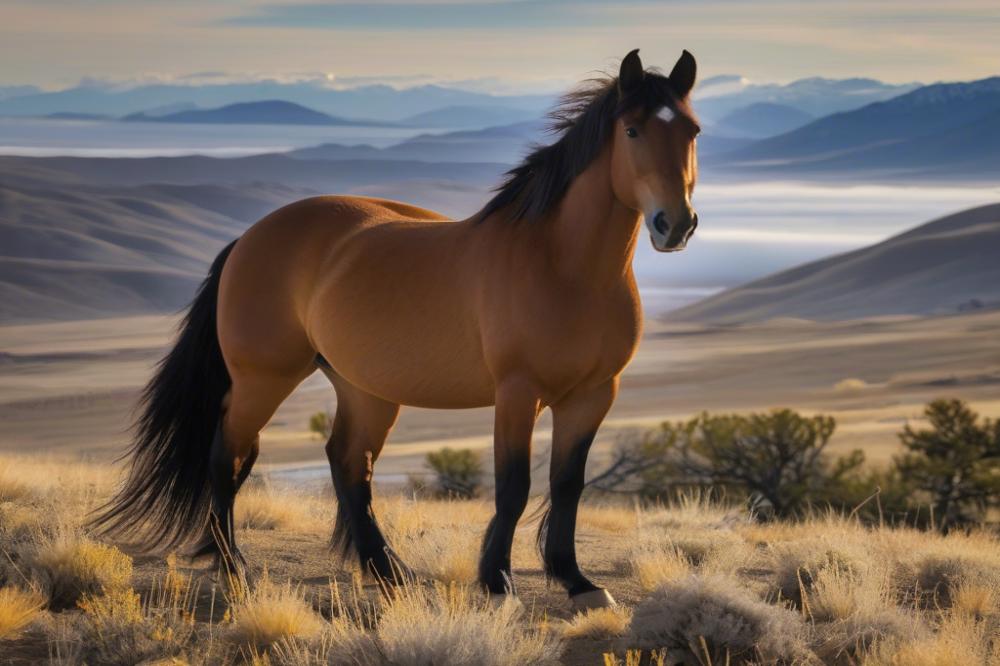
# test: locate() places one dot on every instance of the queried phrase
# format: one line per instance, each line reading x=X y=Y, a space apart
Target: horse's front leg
x=517 y=407
x=575 y=420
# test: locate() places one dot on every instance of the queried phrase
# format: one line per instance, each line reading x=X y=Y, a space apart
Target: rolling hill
x=470 y=117
x=320 y=175
x=374 y=102
x=505 y=144
x=760 y=120
x=83 y=238
x=944 y=266
x=75 y=252
x=267 y=112
x=944 y=129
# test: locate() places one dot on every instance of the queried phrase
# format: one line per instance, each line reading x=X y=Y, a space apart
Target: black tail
x=166 y=499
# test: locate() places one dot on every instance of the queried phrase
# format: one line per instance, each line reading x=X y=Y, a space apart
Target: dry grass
x=698 y=582
x=68 y=566
x=656 y=564
x=273 y=612
x=715 y=617
x=450 y=625
x=958 y=641
x=438 y=539
x=17 y=610
x=260 y=508
x=598 y=623
x=119 y=629
x=12 y=486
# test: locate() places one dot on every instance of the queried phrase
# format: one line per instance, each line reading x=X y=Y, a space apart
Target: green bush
x=777 y=458
x=321 y=423
x=955 y=464
x=458 y=472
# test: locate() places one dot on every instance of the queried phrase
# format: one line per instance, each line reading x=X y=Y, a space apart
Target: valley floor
x=68 y=388
x=696 y=583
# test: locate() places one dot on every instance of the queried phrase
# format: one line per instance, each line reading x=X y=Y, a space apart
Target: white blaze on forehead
x=666 y=114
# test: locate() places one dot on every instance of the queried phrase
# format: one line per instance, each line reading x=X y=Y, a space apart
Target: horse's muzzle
x=671 y=237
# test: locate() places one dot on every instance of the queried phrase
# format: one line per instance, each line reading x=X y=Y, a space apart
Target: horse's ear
x=631 y=73
x=683 y=73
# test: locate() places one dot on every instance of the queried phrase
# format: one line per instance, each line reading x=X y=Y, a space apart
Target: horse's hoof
x=585 y=601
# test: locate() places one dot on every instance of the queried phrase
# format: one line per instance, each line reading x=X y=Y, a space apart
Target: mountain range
x=941 y=267
x=266 y=112
x=944 y=130
x=374 y=102
x=434 y=106
x=816 y=96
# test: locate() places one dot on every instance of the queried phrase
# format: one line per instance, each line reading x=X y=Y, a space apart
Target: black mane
x=583 y=121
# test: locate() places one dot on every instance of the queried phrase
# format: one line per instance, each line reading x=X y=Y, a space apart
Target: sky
x=496 y=45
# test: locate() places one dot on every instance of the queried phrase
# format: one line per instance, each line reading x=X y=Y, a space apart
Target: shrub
x=272 y=613
x=715 y=618
x=119 y=629
x=955 y=463
x=451 y=625
x=321 y=423
x=458 y=472
x=777 y=457
x=69 y=566
x=17 y=609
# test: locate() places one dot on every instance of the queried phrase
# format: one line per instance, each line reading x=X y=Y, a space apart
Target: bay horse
x=530 y=303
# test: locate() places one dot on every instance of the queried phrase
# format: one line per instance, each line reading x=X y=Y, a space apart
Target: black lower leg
x=513 y=484
x=356 y=528
x=557 y=534
x=227 y=476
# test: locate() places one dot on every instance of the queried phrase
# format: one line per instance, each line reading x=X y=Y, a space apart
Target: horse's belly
x=416 y=372
x=404 y=333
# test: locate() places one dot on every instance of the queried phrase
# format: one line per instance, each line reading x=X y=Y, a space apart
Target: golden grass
x=272 y=612
x=453 y=625
x=68 y=566
x=36 y=476
x=18 y=608
x=598 y=623
x=960 y=640
x=698 y=582
x=654 y=565
x=260 y=508
x=440 y=539
x=12 y=487
x=716 y=617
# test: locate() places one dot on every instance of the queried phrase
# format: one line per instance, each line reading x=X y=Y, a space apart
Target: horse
x=530 y=303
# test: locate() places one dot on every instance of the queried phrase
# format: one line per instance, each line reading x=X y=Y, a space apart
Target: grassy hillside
x=940 y=267
x=697 y=583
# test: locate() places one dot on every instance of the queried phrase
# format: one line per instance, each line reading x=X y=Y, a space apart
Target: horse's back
x=269 y=277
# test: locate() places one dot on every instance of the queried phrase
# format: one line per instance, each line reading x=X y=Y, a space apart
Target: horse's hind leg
x=252 y=400
x=360 y=428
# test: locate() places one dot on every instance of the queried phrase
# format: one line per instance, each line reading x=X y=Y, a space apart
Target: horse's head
x=654 y=160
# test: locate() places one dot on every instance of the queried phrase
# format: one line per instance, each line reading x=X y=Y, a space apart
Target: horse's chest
x=575 y=339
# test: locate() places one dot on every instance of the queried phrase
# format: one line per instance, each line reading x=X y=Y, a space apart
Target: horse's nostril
x=694 y=221
x=660 y=223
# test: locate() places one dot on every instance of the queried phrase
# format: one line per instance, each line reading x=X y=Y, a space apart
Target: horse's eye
x=631 y=132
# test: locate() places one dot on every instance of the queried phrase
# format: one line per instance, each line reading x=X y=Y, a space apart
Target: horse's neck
x=592 y=236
